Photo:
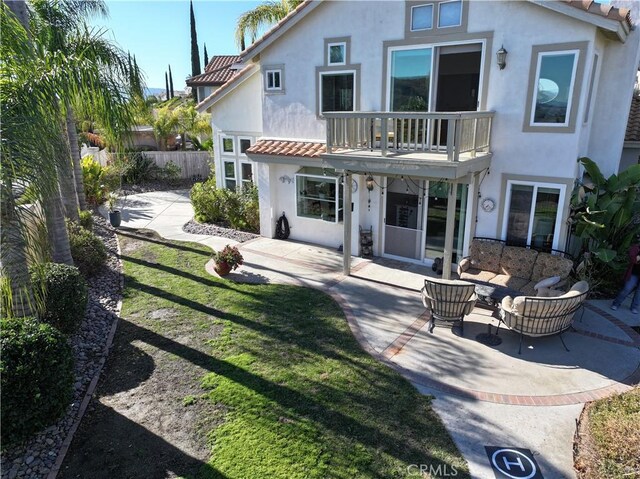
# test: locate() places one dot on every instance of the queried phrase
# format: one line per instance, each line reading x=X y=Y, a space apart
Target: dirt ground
x=145 y=420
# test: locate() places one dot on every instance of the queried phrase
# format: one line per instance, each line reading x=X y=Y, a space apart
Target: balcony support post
x=449 y=229
x=346 y=244
x=384 y=136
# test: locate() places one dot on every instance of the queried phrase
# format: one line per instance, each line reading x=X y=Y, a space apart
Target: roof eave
x=614 y=28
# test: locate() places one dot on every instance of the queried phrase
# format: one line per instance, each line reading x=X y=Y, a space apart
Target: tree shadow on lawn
x=152 y=237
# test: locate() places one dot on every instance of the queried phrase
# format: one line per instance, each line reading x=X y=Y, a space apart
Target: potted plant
x=227 y=259
x=115 y=218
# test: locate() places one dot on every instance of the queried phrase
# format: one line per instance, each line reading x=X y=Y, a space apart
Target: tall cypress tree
x=195 y=52
x=166 y=84
x=170 y=82
x=206 y=57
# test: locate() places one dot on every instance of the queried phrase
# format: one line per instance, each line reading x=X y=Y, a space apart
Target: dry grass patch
x=608 y=441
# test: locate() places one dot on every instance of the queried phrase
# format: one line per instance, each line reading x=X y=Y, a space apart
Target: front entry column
x=346 y=242
x=448 y=235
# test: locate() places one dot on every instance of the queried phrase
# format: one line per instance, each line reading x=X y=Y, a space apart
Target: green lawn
x=295 y=396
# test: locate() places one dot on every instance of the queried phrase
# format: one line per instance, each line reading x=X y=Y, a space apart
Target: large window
x=230 y=175
x=337 y=91
x=410 y=79
x=533 y=215
x=555 y=78
x=318 y=195
x=556 y=74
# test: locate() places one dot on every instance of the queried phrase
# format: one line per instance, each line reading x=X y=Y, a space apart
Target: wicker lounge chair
x=537 y=317
x=448 y=300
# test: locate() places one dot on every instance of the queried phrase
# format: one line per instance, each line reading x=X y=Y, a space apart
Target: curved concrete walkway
x=487 y=396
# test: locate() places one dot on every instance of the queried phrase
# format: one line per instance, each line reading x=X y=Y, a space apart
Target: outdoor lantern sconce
x=370 y=183
x=502 y=57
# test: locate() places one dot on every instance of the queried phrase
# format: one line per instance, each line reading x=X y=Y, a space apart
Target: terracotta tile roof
x=607 y=11
x=304 y=149
x=633 y=125
x=217 y=72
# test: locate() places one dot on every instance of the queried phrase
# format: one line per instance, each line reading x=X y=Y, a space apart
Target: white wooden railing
x=446 y=133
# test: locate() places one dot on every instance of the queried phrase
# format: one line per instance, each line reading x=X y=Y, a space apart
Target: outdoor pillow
x=547 y=283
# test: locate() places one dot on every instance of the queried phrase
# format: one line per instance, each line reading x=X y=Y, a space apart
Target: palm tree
x=59 y=26
x=265 y=15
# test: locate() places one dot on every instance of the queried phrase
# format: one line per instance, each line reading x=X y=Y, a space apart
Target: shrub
x=236 y=209
x=65 y=295
x=93 y=178
x=169 y=172
x=87 y=250
x=86 y=220
x=137 y=167
x=36 y=377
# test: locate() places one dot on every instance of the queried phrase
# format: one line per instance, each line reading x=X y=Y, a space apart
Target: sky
x=158 y=33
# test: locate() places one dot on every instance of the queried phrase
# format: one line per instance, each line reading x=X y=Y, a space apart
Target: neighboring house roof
x=228 y=87
x=300 y=149
x=217 y=72
x=633 y=125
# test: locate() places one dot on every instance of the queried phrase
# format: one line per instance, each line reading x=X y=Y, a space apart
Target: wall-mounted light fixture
x=370 y=183
x=286 y=178
x=502 y=57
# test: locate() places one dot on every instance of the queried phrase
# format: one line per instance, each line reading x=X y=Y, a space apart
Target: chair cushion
x=507 y=281
x=485 y=255
x=547 y=282
x=477 y=275
x=530 y=290
x=517 y=261
x=547 y=265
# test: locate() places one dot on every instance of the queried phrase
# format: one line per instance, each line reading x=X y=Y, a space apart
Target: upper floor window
x=450 y=14
x=337 y=91
x=555 y=83
x=227 y=145
x=245 y=144
x=432 y=17
x=421 y=17
x=337 y=53
x=274 y=80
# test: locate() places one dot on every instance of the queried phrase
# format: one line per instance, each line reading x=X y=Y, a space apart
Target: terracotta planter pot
x=222 y=268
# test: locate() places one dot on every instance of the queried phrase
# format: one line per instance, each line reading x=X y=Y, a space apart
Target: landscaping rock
x=215 y=230
x=35 y=458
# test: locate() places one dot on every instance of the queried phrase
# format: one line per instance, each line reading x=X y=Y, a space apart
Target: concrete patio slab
x=486 y=396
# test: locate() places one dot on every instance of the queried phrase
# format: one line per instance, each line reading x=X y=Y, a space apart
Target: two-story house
x=432 y=121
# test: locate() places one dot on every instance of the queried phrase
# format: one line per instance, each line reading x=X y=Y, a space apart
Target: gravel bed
x=215 y=230
x=35 y=458
x=149 y=186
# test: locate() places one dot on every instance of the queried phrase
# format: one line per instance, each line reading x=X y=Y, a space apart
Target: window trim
x=274 y=75
x=411 y=29
x=240 y=138
x=336 y=199
x=595 y=70
x=450 y=26
x=537 y=52
x=353 y=69
x=266 y=70
x=347 y=51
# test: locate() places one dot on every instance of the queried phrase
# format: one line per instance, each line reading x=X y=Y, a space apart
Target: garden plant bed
x=215 y=230
x=608 y=438
x=209 y=378
x=36 y=458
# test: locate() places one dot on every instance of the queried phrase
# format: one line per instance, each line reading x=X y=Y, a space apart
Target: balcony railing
x=451 y=134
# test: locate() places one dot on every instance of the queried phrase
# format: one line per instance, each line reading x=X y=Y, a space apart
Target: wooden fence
x=192 y=164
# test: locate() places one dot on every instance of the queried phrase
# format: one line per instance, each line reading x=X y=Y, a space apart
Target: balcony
x=439 y=144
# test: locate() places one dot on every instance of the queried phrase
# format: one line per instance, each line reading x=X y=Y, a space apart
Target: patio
x=497 y=390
